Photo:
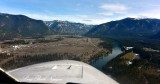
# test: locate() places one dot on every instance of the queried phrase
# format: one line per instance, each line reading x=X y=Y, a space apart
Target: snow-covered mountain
x=66 y=27
x=128 y=27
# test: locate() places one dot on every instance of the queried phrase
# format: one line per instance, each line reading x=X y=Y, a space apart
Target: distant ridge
x=12 y=26
x=20 y=25
x=66 y=27
x=156 y=36
x=128 y=27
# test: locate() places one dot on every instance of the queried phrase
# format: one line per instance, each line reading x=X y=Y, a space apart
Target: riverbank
x=127 y=69
x=99 y=61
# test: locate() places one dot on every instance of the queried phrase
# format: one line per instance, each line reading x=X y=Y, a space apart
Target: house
x=128 y=48
x=137 y=56
x=129 y=63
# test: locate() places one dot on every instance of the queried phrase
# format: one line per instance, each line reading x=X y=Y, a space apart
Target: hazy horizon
x=82 y=11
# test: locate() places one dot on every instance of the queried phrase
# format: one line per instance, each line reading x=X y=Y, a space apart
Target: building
x=128 y=48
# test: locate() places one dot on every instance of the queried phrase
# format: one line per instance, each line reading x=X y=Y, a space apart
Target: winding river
x=101 y=61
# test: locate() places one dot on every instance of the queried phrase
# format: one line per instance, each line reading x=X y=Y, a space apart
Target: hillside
x=66 y=27
x=156 y=36
x=20 y=25
x=128 y=27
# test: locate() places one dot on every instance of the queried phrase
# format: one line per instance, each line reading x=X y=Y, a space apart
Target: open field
x=129 y=56
x=55 y=47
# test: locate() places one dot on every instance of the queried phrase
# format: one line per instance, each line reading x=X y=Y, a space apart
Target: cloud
x=151 y=13
x=95 y=21
x=46 y=17
x=114 y=7
x=49 y=16
x=87 y=20
x=111 y=9
x=106 y=13
x=73 y=18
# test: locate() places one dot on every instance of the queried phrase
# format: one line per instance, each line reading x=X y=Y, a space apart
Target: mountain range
x=156 y=36
x=19 y=25
x=128 y=27
x=66 y=27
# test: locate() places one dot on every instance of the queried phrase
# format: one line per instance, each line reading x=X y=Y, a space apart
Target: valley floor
x=22 y=52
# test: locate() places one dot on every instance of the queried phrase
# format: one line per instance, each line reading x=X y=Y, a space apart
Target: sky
x=83 y=11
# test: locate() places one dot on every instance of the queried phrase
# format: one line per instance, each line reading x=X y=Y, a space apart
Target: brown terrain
x=66 y=47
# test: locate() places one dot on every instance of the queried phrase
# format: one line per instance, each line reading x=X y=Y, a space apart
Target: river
x=101 y=61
